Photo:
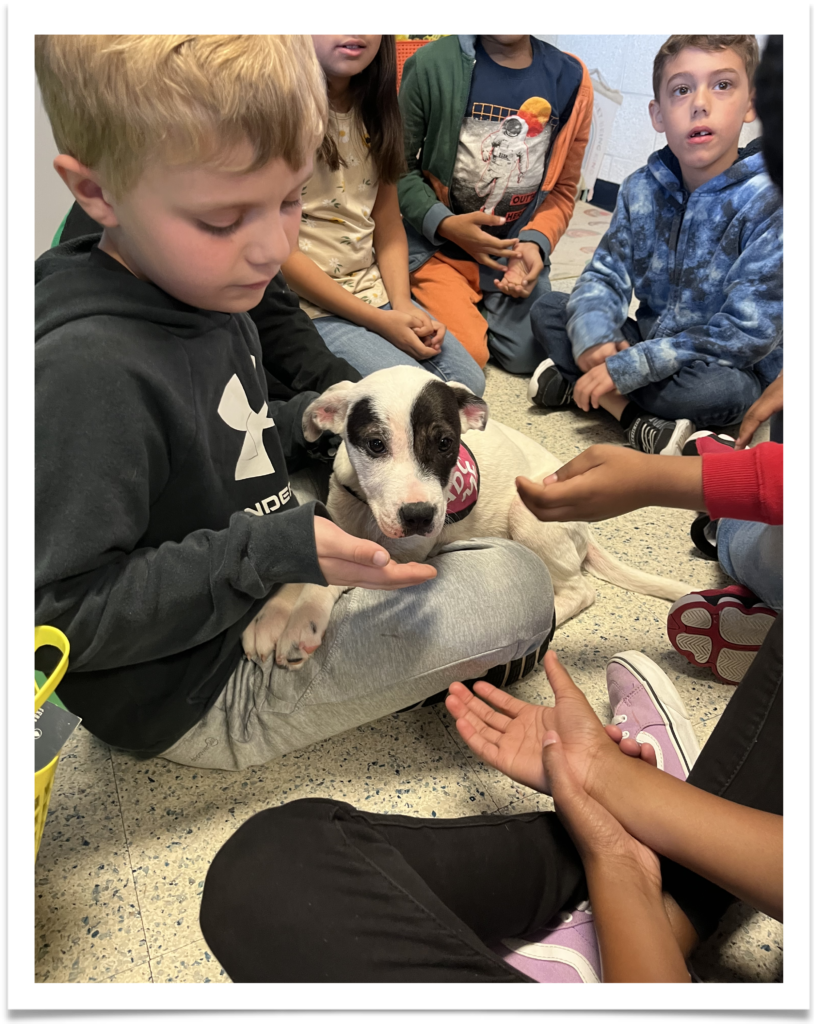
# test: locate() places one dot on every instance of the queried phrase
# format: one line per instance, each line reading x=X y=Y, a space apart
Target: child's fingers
x=484 y=731
x=540 y=499
x=502 y=699
x=558 y=677
x=481 y=715
x=486 y=751
x=487 y=261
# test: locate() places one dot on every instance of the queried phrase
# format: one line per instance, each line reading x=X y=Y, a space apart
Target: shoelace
x=646 y=436
x=569 y=394
x=618 y=720
x=566 y=917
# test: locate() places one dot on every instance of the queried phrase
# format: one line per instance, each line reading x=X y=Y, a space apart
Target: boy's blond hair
x=117 y=102
x=745 y=47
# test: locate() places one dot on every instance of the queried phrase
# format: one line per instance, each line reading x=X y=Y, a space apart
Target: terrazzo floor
x=127 y=843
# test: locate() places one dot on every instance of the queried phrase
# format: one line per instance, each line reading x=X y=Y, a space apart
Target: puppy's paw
x=260 y=639
x=307 y=624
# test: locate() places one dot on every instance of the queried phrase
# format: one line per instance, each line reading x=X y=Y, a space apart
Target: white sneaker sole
x=668 y=703
x=679 y=438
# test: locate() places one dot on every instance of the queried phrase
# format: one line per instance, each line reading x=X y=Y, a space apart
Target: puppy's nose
x=417 y=517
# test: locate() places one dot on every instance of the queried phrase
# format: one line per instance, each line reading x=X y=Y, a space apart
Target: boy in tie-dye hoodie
x=697 y=237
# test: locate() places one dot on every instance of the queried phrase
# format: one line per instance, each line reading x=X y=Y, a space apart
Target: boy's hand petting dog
x=348 y=561
x=592 y=385
x=606 y=480
x=408 y=332
x=465 y=230
x=521 y=276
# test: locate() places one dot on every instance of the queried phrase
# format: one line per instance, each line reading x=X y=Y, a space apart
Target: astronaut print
x=500 y=158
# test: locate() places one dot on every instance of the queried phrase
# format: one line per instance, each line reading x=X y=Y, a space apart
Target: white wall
x=52 y=200
x=626 y=64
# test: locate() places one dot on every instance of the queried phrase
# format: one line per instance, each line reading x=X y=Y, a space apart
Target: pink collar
x=464 y=488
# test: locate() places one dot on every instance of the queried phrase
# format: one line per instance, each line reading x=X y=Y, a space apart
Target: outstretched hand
x=508 y=733
x=606 y=480
x=348 y=561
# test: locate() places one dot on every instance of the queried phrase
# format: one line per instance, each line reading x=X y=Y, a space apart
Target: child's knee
x=549 y=312
x=524 y=585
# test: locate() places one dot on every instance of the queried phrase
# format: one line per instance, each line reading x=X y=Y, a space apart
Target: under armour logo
x=235 y=410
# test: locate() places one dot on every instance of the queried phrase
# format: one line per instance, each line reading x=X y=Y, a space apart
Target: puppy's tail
x=606 y=567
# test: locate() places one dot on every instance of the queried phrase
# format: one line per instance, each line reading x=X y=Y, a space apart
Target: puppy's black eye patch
x=436 y=430
x=365 y=431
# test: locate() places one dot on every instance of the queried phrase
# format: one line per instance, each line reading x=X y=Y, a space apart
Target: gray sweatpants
x=491 y=602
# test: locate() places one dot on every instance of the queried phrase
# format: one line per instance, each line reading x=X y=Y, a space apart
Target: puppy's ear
x=474 y=412
x=328 y=411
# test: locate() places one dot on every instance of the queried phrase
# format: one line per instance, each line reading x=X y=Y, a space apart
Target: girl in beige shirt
x=351 y=270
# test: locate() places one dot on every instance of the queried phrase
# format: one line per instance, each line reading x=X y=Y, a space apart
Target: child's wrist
x=371 y=317
x=607 y=874
x=680 y=483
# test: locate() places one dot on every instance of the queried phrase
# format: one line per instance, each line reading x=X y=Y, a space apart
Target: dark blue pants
x=705 y=392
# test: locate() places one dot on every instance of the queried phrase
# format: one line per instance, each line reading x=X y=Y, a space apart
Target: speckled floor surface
x=127 y=843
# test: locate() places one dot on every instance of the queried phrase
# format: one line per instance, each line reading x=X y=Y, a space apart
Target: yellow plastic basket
x=46 y=636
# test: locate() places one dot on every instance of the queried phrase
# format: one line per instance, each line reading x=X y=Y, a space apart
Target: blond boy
x=165 y=515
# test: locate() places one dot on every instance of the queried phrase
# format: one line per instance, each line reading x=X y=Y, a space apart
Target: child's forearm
x=736 y=847
x=636 y=943
x=309 y=281
x=391 y=247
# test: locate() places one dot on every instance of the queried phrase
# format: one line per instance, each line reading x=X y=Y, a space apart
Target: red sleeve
x=745 y=485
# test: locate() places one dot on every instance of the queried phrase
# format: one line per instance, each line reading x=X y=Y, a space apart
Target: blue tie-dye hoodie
x=706 y=267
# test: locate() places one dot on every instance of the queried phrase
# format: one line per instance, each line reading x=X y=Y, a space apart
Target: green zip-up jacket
x=433 y=97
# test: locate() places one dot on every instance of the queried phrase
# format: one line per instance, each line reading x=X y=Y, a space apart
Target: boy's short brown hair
x=117 y=102
x=745 y=46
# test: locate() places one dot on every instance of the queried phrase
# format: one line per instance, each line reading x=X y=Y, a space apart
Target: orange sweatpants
x=450 y=290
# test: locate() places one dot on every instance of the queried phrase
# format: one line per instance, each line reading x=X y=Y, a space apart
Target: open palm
x=508 y=733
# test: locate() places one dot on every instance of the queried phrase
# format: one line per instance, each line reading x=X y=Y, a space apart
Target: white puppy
x=404 y=479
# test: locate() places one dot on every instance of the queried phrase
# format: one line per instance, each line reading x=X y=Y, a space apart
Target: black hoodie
x=163 y=509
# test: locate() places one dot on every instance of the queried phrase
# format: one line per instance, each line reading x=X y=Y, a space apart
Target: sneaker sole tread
x=724 y=637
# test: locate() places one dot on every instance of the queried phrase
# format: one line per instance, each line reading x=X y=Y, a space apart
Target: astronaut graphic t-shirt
x=505 y=136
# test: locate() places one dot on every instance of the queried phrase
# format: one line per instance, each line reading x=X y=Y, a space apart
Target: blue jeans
x=705 y=392
x=752 y=554
x=368 y=352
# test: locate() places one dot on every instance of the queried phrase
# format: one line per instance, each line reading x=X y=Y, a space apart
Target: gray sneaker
x=548 y=388
x=659 y=437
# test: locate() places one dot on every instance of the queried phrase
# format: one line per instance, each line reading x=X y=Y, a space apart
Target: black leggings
x=316 y=890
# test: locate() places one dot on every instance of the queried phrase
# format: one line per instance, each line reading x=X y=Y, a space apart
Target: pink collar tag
x=464 y=488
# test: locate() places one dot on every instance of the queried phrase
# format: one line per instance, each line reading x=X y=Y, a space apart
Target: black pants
x=316 y=890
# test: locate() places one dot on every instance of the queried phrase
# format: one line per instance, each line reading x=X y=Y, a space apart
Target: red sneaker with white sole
x=720 y=629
